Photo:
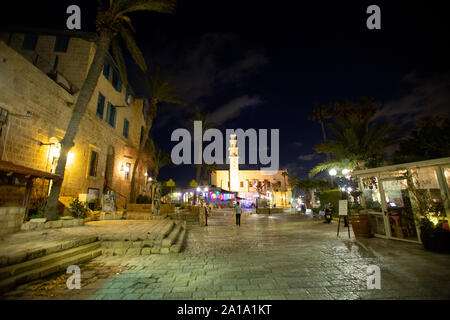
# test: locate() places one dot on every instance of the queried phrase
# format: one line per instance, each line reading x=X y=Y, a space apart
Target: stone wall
x=24 y=87
x=11 y=219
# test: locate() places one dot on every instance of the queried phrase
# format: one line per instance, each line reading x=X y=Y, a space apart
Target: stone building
x=252 y=184
x=40 y=78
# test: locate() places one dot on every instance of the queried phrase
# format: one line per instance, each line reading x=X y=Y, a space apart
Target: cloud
x=424 y=97
x=204 y=67
x=309 y=157
x=233 y=108
x=298 y=144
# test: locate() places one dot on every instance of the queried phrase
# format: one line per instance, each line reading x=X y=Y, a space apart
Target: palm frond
x=118 y=56
x=132 y=47
x=127 y=6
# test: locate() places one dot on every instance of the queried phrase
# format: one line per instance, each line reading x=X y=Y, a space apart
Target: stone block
x=156 y=249
x=39 y=220
x=146 y=251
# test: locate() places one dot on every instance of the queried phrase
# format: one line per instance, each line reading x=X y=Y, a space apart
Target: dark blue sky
x=262 y=64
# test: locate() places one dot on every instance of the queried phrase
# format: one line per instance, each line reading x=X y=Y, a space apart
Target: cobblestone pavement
x=268 y=257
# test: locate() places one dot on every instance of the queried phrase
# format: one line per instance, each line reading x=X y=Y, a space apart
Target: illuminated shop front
x=387 y=196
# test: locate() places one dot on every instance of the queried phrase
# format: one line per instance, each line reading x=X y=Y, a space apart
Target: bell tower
x=233 y=172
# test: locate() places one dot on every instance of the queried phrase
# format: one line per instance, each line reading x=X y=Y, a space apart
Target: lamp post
x=332 y=173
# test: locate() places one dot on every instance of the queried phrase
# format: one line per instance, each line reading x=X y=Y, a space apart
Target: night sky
x=262 y=64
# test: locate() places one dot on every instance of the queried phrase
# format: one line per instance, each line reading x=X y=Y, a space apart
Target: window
x=111 y=115
x=29 y=42
x=100 y=105
x=242 y=184
x=126 y=127
x=93 y=160
x=61 y=44
x=116 y=81
x=127 y=171
x=106 y=70
x=127 y=96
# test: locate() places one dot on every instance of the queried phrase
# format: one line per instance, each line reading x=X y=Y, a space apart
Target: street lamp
x=332 y=173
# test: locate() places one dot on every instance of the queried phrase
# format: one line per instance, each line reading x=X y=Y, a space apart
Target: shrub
x=330 y=196
x=77 y=209
x=143 y=199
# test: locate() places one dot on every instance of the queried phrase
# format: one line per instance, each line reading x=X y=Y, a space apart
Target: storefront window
x=426 y=179
x=371 y=194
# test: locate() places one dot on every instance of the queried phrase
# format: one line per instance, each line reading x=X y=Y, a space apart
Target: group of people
x=238 y=212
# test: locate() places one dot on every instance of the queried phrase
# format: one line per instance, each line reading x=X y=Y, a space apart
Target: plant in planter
x=78 y=209
x=429 y=217
x=360 y=219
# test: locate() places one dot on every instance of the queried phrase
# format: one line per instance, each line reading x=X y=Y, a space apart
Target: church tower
x=233 y=172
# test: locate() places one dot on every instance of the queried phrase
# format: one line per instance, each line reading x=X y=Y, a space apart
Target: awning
x=9 y=167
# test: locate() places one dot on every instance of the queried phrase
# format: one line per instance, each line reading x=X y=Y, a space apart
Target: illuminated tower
x=234 y=164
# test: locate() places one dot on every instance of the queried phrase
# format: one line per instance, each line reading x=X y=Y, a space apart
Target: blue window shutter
x=113 y=116
x=126 y=127
x=119 y=84
x=108 y=112
x=100 y=105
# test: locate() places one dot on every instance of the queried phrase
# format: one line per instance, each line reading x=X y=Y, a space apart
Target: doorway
x=109 y=169
x=398 y=211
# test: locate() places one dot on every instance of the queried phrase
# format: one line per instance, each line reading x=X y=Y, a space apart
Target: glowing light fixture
x=332 y=172
x=345 y=172
x=70 y=157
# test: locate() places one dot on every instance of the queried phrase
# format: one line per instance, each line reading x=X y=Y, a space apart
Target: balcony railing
x=52 y=72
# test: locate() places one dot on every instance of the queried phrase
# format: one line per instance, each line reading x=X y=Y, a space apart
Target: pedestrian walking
x=206 y=215
x=238 y=214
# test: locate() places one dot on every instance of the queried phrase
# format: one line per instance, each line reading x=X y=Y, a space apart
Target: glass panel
x=371 y=194
x=426 y=179
x=399 y=209
x=377 y=224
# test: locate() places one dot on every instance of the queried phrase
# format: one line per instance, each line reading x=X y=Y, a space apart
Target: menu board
x=343 y=207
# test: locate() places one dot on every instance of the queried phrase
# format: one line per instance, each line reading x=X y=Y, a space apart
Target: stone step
x=165 y=231
x=16 y=269
x=171 y=237
x=60 y=262
x=175 y=248
x=138 y=215
x=30 y=254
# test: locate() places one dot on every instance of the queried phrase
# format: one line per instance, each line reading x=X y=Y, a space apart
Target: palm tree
x=207 y=170
x=159 y=158
x=308 y=186
x=112 y=21
x=203 y=117
x=161 y=90
x=358 y=144
x=320 y=113
x=285 y=174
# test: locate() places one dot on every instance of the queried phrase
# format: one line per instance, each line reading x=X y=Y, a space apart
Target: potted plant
x=360 y=221
x=430 y=218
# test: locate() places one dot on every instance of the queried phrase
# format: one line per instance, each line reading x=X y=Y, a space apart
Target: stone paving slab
x=269 y=257
x=18 y=245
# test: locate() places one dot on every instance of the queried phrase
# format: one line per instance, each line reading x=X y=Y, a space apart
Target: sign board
x=109 y=203
x=343 y=207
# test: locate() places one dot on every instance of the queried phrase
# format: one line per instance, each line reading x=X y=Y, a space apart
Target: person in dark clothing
x=238 y=214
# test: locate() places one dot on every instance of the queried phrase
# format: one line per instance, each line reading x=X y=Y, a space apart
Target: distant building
x=41 y=74
x=252 y=185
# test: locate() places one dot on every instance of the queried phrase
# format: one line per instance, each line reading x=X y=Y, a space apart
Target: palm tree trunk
x=324 y=134
x=138 y=159
x=51 y=209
